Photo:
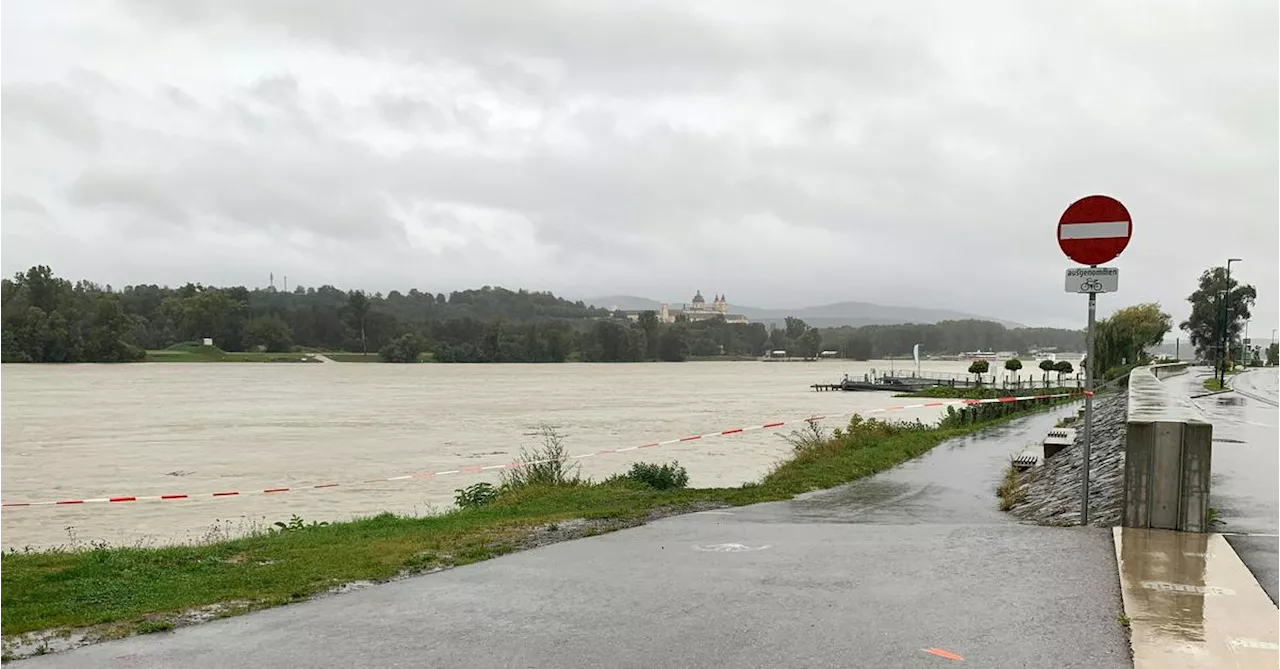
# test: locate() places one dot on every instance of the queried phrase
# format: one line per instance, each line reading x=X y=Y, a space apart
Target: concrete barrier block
x=1166 y=476
x=1138 y=467
x=1197 y=457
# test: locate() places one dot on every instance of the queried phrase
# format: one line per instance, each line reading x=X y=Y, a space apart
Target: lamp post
x=1245 y=358
x=1225 y=351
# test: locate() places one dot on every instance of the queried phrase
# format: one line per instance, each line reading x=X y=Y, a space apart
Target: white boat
x=980 y=355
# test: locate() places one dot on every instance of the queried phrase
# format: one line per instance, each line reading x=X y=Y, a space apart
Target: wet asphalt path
x=1246 y=456
x=869 y=575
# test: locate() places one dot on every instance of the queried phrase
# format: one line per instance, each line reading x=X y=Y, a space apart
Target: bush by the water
x=474 y=496
x=407 y=348
x=546 y=465
x=665 y=476
x=813 y=441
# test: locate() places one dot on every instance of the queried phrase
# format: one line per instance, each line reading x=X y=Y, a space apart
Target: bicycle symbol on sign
x=1091 y=285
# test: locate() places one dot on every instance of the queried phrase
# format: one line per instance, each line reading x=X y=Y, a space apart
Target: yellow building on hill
x=699 y=310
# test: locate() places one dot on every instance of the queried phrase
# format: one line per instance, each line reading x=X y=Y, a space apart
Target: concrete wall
x=1168 y=455
x=1168 y=369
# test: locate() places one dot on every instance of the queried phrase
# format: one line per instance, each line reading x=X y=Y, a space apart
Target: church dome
x=697 y=298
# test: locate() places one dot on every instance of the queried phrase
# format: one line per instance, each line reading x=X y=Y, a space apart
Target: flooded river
x=86 y=431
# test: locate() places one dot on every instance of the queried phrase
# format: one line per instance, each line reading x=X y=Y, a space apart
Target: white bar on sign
x=1101 y=230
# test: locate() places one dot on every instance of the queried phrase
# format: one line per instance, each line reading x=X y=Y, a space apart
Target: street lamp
x=1224 y=351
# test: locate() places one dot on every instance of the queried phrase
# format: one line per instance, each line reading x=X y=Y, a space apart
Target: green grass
x=346 y=356
x=983 y=393
x=133 y=590
x=192 y=352
x=1212 y=384
x=1010 y=491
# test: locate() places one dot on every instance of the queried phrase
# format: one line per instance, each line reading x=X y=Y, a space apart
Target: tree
x=978 y=368
x=858 y=347
x=1046 y=366
x=649 y=323
x=358 y=303
x=673 y=346
x=1209 y=313
x=406 y=348
x=1013 y=365
x=1121 y=341
x=794 y=328
x=271 y=333
x=1273 y=354
x=1062 y=367
x=810 y=343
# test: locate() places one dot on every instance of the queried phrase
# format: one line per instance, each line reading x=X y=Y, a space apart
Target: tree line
x=47 y=318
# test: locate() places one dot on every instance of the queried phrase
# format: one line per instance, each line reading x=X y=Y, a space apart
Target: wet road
x=1246 y=457
x=874 y=574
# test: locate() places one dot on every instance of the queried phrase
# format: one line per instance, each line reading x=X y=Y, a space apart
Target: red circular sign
x=1094 y=230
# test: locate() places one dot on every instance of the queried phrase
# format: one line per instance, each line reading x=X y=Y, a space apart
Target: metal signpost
x=1092 y=231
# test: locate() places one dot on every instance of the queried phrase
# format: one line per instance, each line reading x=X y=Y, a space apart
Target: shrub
x=475 y=496
x=659 y=476
x=547 y=464
x=812 y=436
x=406 y=348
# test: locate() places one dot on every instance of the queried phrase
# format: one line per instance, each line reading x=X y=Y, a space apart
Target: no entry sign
x=1094 y=230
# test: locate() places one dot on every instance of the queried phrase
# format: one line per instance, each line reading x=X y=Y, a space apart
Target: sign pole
x=1088 y=410
x=1094 y=230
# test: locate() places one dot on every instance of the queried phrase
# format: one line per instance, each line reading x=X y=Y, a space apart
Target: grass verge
x=1212 y=384
x=121 y=591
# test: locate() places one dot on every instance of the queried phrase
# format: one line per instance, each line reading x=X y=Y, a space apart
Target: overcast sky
x=784 y=153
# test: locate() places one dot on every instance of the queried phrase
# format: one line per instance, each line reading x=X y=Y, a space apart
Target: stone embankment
x=1050 y=493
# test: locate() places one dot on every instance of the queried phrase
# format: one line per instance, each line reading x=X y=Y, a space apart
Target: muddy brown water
x=86 y=431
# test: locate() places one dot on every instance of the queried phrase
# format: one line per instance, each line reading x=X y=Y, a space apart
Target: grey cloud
x=135 y=191
x=624 y=49
x=663 y=144
x=52 y=108
x=180 y=98
x=18 y=203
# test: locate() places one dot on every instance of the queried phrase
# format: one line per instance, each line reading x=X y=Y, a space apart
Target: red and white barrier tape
x=516 y=465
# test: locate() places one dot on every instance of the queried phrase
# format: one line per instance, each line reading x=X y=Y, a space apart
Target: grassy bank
x=347 y=356
x=190 y=352
x=1213 y=385
x=985 y=393
x=120 y=591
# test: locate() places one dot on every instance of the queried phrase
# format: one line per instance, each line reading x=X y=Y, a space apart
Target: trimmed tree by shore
x=978 y=368
x=1047 y=366
x=1013 y=366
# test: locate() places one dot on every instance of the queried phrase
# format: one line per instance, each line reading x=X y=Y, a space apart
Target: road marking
x=1237 y=644
x=728 y=548
x=1189 y=589
x=945 y=654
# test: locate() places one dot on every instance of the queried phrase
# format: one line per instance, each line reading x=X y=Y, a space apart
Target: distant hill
x=826 y=315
